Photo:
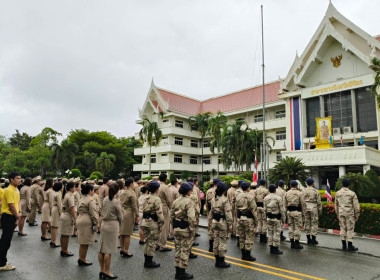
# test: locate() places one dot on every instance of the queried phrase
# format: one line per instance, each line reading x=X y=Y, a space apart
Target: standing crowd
x=164 y=212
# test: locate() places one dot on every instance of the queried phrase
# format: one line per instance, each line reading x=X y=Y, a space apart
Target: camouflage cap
x=234 y=183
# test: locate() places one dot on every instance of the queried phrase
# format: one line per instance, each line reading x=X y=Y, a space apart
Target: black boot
x=271 y=249
x=216 y=261
x=276 y=251
x=297 y=245
x=248 y=256
x=351 y=247
x=292 y=243
x=238 y=241
x=344 y=245
x=283 y=236
x=149 y=263
x=222 y=263
x=262 y=238
x=308 y=240
x=177 y=274
x=211 y=246
x=314 y=240
x=243 y=254
x=183 y=275
x=192 y=255
x=265 y=238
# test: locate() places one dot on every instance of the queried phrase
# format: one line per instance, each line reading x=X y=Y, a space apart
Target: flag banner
x=295 y=123
x=361 y=140
x=328 y=192
x=254 y=179
x=331 y=140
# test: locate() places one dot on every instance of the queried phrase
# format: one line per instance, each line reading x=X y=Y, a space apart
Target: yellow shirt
x=10 y=195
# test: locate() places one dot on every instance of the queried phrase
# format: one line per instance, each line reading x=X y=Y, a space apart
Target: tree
x=74 y=173
x=200 y=123
x=105 y=163
x=374 y=193
x=360 y=184
x=287 y=169
x=20 y=140
x=64 y=155
x=375 y=88
x=150 y=133
x=215 y=129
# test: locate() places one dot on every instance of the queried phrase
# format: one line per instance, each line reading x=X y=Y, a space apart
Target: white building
x=330 y=78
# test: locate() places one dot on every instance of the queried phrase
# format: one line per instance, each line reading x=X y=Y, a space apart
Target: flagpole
x=263 y=65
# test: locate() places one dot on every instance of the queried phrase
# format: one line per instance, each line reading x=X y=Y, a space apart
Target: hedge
x=97 y=174
x=368 y=223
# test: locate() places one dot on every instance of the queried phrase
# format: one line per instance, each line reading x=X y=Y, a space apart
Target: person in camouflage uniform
x=247 y=221
x=232 y=199
x=221 y=223
x=237 y=193
x=194 y=200
x=184 y=221
x=261 y=193
x=274 y=211
x=210 y=194
x=312 y=210
x=347 y=209
x=281 y=193
x=293 y=204
x=153 y=221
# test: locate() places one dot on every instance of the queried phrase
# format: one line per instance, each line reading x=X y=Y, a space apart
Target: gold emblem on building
x=336 y=60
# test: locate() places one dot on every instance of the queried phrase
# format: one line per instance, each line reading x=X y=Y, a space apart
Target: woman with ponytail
x=67 y=218
x=47 y=207
x=56 y=213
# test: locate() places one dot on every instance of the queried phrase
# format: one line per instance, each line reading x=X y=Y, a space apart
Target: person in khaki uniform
x=197 y=191
x=24 y=205
x=68 y=218
x=131 y=216
x=261 y=193
x=184 y=221
x=165 y=197
x=210 y=194
x=47 y=207
x=274 y=211
x=77 y=197
x=98 y=203
x=56 y=213
x=136 y=186
x=40 y=194
x=34 y=200
x=103 y=191
x=247 y=221
x=174 y=194
x=221 y=223
x=231 y=199
x=238 y=192
x=312 y=211
x=152 y=223
x=293 y=204
x=347 y=209
x=281 y=192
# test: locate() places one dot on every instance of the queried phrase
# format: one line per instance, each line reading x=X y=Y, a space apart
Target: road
x=34 y=259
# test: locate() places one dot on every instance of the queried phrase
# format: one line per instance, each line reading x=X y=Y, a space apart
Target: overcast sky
x=89 y=64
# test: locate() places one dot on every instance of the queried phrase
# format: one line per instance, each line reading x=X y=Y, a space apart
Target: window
x=278 y=156
x=193 y=127
x=365 y=110
x=179 y=124
x=206 y=144
x=240 y=119
x=281 y=135
x=339 y=106
x=206 y=160
x=178 y=141
x=154 y=143
x=178 y=158
x=165 y=120
x=194 y=143
x=193 y=160
x=177 y=174
x=313 y=110
x=259 y=118
x=165 y=140
x=220 y=159
x=280 y=114
x=164 y=155
x=153 y=159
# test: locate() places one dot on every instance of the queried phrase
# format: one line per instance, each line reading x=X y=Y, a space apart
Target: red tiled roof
x=230 y=102
x=378 y=38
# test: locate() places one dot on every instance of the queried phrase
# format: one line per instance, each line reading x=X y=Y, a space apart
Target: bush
x=359 y=183
x=186 y=174
x=373 y=193
x=172 y=177
x=147 y=178
x=97 y=174
x=93 y=177
x=368 y=222
x=74 y=173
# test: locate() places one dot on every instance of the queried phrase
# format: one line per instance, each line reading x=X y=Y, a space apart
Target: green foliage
x=374 y=192
x=147 y=178
x=20 y=140
x=105 y=162
x=74 y=173
x=323 y=197
x=375 y=88
x=368 y=223
x=64 y=155
x=97 y=174
x=172 y=177
x=93 y=177
x=186 y=174
x=360 y=184
x=287 y=169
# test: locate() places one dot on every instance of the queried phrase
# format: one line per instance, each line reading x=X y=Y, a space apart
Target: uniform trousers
x=33 y=211
x=274 y=232
x=166 y=227
x=347 y=226
x=151 y=233
x=220 y=237
x=210 y=230
x=262 y=221
x=182 y=242
x=8 y=225
x=311 y=222
x=295 y=224
x=246 y=231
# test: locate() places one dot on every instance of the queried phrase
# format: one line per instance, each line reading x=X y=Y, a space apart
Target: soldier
x=221 y=224
x=274 y=211
x=198 y=194
x=232 y=199
x=281 y=193
x=194 y=198
x=152 y=223
x=247 y=221
x=237 y=193
x=184 y=221
x=165 y=197
x=347 y=210
x=34 y=200
x=209 y=196
x=312 y=210
x=174 y=194
x=293 y=204
x=261 y=193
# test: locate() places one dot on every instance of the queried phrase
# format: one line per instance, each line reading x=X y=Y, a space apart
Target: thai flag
x=328 y=192
x=254 y=179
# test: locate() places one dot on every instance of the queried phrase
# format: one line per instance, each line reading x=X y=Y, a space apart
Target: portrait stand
x=322 y=139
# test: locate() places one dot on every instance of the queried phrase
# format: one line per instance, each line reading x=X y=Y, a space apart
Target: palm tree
x=105 y=162
x=200 y=123
x=150 y=132
x=216 y=126
x=64 y=155
x=287 y=169
x=375 y=88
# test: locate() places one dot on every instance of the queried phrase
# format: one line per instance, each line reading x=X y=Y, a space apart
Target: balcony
x=269 y=124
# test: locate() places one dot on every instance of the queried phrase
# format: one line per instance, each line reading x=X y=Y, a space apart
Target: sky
x=89 y=64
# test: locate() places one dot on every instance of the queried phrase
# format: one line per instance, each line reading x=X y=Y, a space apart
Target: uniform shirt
x=312 y=199
x=281 y=193
x=103 y=191
x=129 y=201
x=261 y=193
x=87 y=206
x=153 y=205
x=183 y=209
x=197 y=192
x=34 y=192
x=173 y=191
x=220 y=205
x=273 y=204
x=346 y=203
x=68 y=202
x=245 y=202
x=57 y=201
x=163 y=194
x=141 y=202
x=293 y=198
x=111 y=210
x=136 y=189
x=194 y=199
x=48 y=198
x=209 y=196
x=25 y=194
x=11 y=195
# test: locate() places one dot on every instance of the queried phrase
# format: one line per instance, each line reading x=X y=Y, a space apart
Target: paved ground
x=35 y=260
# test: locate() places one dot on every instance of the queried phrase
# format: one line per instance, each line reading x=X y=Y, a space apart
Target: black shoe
x=276 y=251
x=308 y=239
x=282 y=236
x=183 y=275
x=64 y=254
x=222 y=263
x=193 y=256
x=211 y=246
x=176 y=272
x=263 y=238
x=195 y=244
x=216 y=260
x=242 y=254
x=197 y=235
x=170 y=238
x=165 y=249
x=49 y=231
x=125 y=255
x=101 y=275
x=82 y=263
x=297 y=245
x=33 y=224
x=141 y=242
x=292 y=243
x=98 y=232
x=344 y=245
x=248 y=256
x=351 y=247
x=44 y=238
x=21 y=234
x=314 y=240
x=149 y=263
x=237 y=241
x=74 y=235
x=106 y=276
x=53 y=245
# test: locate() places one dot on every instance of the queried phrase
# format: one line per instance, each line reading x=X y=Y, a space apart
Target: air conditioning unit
x=347 y=130
x=336 y=131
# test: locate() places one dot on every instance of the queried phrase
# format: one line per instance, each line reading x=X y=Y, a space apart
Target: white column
x=342 y=170
x=366 y=167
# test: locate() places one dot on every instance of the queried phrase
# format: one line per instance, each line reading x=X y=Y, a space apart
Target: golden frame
x=318 y=121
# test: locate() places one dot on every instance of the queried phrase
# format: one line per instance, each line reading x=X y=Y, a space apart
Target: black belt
x=148 y=215
x=217 y=216
x=208 y=206
x=260 y=204
x=182 y=224
x=294 y=208
x=274 y=216
x=245 y=214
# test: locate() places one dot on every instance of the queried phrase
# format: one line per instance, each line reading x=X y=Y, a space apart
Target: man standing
x=9 y=218
x=293 y=204
x=232 y=199
x=164 y=195
x=34 y=200
x=261 y=193
x=174 y=194
x=347 y=210
x=312 y=210
x=210 y=194
x=281 y=193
